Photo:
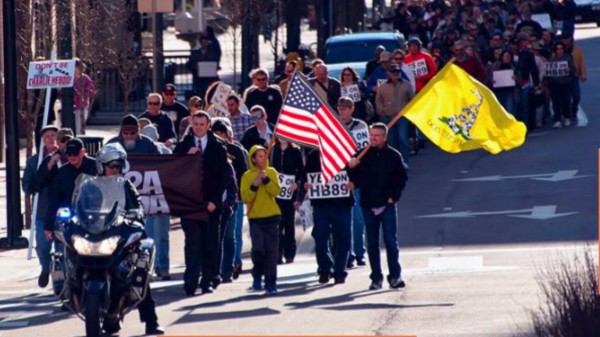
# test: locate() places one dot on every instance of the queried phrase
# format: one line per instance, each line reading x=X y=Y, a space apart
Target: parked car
x=359 y=47
x=588 y=11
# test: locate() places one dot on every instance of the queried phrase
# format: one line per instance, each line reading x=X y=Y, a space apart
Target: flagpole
x=403 y=111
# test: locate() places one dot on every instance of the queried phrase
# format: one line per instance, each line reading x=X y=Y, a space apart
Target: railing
x=110 y=95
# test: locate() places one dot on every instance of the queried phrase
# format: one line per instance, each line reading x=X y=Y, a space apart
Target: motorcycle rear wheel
x=92 y=315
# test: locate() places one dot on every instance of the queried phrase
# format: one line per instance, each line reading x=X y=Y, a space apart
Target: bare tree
x=29 y=28
x=105 y=34
x=235 y=14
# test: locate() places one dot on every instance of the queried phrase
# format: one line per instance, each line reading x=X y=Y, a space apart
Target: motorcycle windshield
x=99 y=202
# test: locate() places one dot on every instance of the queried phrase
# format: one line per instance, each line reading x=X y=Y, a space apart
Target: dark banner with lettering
x=169 y=184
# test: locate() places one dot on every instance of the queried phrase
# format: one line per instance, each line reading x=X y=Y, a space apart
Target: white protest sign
x=419 y=68
x=335 y=188
x=351 y=91
x=51 y=74
x=557 y=69
x=207 y=69
x=286 y=181
x=361 y=138
x=503 y=78
x=219 y=101
x=543 y=19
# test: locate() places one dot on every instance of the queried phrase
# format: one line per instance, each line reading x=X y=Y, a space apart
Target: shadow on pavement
x=386 y=306
x=343 y=298
x=217 y=316
x=30 y=310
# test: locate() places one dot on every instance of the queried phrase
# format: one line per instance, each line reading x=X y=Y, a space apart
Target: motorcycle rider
x=110 y=161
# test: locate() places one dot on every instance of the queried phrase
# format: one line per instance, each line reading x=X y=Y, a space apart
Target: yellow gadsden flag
x=458 y=113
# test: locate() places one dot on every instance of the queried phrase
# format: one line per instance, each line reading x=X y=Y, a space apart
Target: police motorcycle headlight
x=101 y=248
x=64 y=214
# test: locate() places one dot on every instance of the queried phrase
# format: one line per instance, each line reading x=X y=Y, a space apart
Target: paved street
x=475 y=230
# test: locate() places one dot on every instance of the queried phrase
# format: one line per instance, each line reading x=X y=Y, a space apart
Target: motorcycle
x=106 y=264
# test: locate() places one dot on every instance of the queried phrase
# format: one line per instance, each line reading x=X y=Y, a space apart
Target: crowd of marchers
x=244 y=162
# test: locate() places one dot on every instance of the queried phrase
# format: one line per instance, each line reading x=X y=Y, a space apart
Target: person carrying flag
x=381 y=177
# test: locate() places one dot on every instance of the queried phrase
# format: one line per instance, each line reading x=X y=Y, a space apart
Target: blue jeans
x=336 y=221
x=568 y=28
x=227 y=244
x=387 y=222
x=239 y=224
x=507 y=99
x=43 y=246
x=398 y=136
x=157 y=228
x=358 y=227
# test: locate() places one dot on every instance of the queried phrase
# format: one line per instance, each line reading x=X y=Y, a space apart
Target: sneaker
x=361 y=261
x=396 y=283
x=154 y=329
x=43 y=279
x=164 y=275
x=111 y=327
x=207 y=290
x=226 y=279
x=237 y=270
x=557 y=125
x=375 y=285
x=324 y=278
x=257 y=284
x=271 y=289
x=567 y=122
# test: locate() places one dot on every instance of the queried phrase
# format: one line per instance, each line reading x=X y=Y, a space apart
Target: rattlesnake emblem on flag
x=462 y=123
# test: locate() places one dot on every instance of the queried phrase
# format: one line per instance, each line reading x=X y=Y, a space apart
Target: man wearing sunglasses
x=164 y=124
x=130 y=138
x=173 y=108
x=262 y=131
x=263 y=94
x=63 y=185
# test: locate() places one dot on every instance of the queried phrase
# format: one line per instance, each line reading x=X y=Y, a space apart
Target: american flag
x=305 y=119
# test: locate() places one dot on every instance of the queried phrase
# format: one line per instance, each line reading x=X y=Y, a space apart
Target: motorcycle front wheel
x=92 y=315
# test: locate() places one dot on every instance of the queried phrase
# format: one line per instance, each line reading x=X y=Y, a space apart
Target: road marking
x=536 y=212
x=456 y=263
x=551 y=177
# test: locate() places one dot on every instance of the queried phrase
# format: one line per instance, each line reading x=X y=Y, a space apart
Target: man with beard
x=157 y=226
x=131 y=139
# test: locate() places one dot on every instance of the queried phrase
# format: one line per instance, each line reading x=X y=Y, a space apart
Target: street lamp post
x=14 y=221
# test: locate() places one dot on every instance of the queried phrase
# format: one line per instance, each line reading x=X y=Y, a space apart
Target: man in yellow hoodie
x=259 y=188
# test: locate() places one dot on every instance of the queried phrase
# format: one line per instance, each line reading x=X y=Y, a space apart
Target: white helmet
x=111 y=152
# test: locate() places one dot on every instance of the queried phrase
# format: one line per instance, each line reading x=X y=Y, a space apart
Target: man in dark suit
x=202 y=237
x=328 y=88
